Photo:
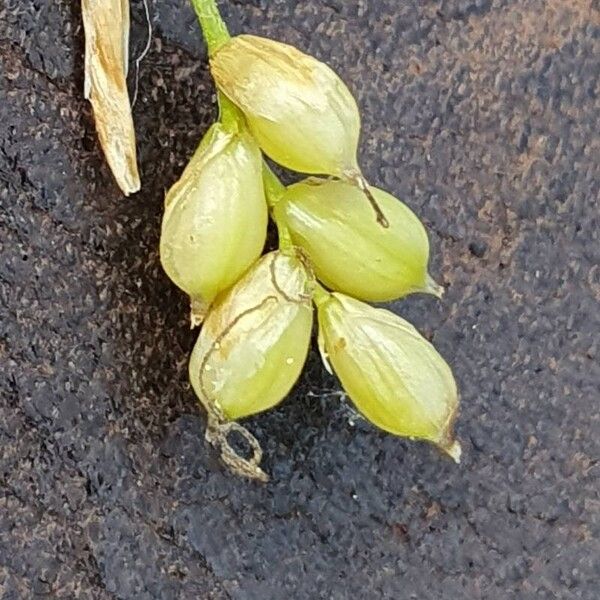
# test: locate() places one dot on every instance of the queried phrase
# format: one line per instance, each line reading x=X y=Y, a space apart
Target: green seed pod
x=255 y=339
x=215 y=221
x=301 y=113
x=330 y=221
x=395 y=377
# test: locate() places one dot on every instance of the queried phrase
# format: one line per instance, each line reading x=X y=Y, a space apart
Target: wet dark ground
x=483 y=115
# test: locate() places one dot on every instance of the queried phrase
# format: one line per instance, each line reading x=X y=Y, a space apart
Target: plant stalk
x=320 y=294
x=213 y=27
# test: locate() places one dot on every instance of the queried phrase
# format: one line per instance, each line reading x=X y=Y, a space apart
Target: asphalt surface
x=483 y=116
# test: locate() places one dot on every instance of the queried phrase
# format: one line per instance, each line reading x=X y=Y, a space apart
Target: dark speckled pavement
x=483 y=116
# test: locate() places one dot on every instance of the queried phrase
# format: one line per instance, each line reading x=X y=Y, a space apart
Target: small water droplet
x=290 y=361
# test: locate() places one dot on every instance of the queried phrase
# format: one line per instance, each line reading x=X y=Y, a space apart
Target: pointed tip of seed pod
x=453 y=450
x=433 y=287
x=198 y=311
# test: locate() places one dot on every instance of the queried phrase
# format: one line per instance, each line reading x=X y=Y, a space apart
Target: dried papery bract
x=106 y=24
x=215 y=221
x=349 y=251
x=300 y=111
x=252 y=348
x=394 y=376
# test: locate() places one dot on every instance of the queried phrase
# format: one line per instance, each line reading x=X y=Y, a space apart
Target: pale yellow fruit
x=394 y=376
x=255 y=339
x=215 y=221
x=302 y=114
x=350 y=252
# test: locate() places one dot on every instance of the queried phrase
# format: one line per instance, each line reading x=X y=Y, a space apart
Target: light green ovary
x=403 y=387
x=350 y=251
x=313 y=144
x=250 y=391
x=216 y=228
x=300 y=112
x=261 y=369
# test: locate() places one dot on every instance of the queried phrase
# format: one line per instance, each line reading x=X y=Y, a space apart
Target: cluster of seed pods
x=341 y=243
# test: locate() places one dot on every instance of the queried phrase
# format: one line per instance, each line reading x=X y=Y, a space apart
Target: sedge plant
x=336 y=252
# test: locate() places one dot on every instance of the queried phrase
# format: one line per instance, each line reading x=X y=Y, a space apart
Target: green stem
x=213 y=27
x=216 y=34
x=320 y=294
x=274 y=189
x=229 y=114
x=286 y=245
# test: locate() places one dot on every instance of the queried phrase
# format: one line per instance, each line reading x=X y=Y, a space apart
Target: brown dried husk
x=106 y=25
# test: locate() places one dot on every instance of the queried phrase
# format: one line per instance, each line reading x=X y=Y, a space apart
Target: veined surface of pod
x=215 y=221
x=394 y=376
x=349 y=251
x=299 y=110
x=255 y=339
